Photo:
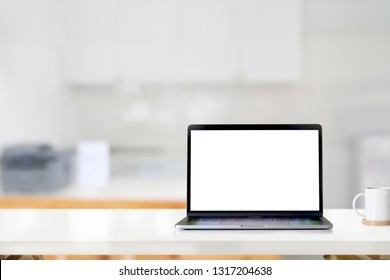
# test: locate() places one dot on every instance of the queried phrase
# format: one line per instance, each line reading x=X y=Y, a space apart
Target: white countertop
x=152 y=232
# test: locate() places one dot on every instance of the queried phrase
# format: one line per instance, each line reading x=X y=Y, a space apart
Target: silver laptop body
x=254 y=176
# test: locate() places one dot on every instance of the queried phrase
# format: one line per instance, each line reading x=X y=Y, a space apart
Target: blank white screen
x=254 y=170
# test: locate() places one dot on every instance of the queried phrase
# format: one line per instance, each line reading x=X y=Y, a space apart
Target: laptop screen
x=263 y=168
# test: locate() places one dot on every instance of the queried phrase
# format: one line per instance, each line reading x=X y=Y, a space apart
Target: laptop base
x=250 y=223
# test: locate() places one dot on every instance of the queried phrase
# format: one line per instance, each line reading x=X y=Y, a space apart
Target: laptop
x=254 y=176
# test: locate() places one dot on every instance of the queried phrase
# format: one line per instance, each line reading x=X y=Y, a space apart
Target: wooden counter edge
x=23 y=202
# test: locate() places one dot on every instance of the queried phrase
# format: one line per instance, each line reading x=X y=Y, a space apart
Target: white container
x=377 y=204
x=93 y=163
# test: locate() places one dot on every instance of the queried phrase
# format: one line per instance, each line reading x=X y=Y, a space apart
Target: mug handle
x=354 y=204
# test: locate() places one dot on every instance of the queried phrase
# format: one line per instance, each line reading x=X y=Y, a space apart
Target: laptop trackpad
x=254 y=223
x=261 y=224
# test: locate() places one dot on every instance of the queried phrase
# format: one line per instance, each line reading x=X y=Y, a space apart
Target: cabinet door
x=268 y=40
x=204 y=42
x=147 y=41
x=89 y=48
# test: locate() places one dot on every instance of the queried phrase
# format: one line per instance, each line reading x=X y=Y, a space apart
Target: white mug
x=377 y=204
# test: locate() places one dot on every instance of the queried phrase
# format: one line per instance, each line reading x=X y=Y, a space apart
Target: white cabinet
x=183 y=41
x=176 y=41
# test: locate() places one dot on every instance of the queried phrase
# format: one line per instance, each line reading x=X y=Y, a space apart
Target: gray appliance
x=35 y=168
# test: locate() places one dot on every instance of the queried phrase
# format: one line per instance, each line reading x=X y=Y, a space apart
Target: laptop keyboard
x=255 y=221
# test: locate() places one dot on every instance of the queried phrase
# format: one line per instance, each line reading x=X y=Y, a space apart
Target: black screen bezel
x=306 y=213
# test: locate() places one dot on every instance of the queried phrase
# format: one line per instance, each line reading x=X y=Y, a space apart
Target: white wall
x=345 y=87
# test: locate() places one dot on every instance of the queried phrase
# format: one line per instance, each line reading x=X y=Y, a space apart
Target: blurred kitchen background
x=96 y=95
